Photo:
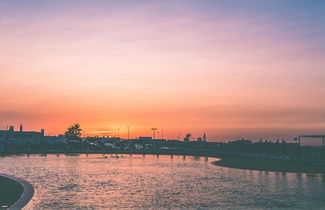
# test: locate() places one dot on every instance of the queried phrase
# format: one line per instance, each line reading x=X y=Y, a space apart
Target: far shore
x=259 y=164
x=283 y=166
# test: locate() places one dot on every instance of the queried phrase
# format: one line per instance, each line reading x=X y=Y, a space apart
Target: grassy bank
x=271 y=165
x=10 y=192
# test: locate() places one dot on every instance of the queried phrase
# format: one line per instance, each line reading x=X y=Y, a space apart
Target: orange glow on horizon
x=188 y=71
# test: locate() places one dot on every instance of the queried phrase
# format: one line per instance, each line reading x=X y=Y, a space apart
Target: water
x=137 y=182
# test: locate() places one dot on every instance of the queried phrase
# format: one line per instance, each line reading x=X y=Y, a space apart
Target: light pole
x=128 y=126
x=154 y=132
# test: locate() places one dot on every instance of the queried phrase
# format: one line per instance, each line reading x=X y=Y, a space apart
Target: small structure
x=204 y=138
x=312 y=136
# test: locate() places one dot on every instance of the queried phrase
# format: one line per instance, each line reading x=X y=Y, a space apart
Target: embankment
x=14 y=193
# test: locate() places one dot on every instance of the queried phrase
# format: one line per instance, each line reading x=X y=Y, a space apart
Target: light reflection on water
x=152 y=181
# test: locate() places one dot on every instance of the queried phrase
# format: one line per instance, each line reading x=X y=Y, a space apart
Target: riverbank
x=284 y=166
x=10 y=192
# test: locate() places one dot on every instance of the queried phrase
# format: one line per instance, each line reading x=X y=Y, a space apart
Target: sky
x=230 y=69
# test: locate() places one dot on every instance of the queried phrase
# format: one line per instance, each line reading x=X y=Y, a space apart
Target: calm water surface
x=137 y=181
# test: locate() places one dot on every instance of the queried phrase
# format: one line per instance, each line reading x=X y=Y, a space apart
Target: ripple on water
x=69 y=187
x=137 y=181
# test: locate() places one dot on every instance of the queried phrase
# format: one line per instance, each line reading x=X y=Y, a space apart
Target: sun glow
x=196 y=68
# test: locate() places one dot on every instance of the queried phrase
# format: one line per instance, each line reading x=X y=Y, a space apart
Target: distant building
x=311 y=140
x=145 y=138
x=21 y=137
x=102 y=140
x=204 y=138
x=28 y=137
x=60 y=139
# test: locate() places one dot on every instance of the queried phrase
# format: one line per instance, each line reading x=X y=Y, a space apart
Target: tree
x=74 y=132
x=187 y=137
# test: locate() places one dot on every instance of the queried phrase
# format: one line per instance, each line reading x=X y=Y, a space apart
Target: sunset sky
x=227 y=68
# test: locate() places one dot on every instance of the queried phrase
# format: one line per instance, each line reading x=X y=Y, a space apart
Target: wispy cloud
x=187 y=64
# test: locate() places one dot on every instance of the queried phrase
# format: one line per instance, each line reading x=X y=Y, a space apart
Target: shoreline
x=269 y=165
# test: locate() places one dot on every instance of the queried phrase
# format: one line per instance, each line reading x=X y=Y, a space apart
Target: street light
x=128 y=126
x=154 y=132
